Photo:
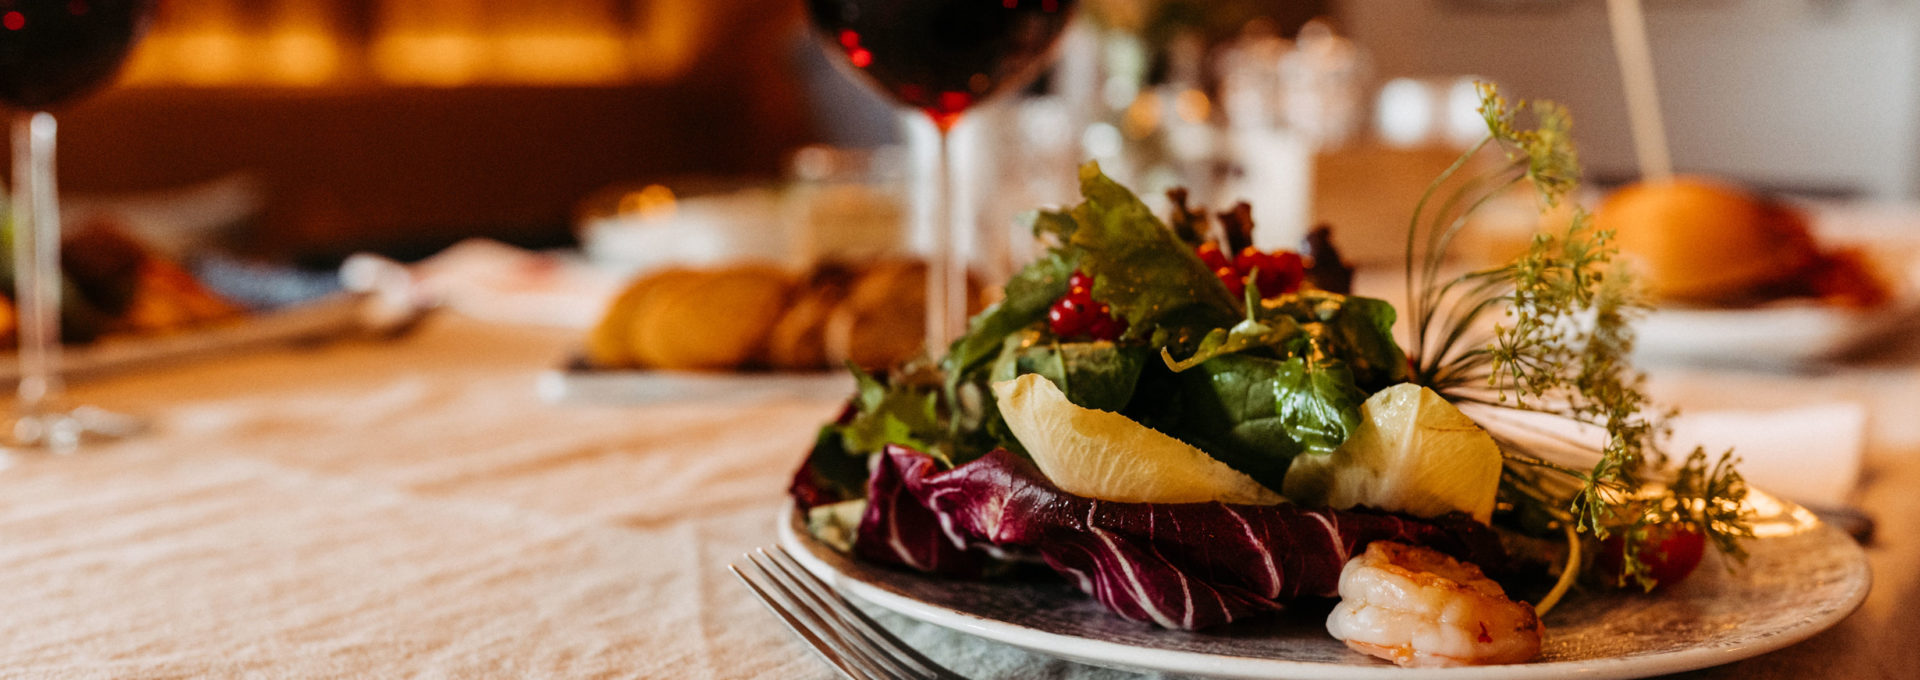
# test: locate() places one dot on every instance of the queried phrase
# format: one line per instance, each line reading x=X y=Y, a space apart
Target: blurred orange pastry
x=1697 y=241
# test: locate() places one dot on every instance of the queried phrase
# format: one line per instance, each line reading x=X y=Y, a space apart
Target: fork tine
x=858 y=649
x=862 y=624
x=819 y=646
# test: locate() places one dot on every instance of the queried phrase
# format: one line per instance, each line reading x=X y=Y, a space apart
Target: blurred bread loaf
x=757 y=317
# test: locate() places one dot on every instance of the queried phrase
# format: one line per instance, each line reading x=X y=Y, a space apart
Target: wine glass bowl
x=942 y=58
x=55 y=51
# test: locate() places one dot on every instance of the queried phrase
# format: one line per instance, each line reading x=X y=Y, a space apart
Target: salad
x=1194 y=431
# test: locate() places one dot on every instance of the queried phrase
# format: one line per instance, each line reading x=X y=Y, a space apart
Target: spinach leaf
x=1096 y=375
x=1318 y=404
x=1356 y=331
x=1252 y=413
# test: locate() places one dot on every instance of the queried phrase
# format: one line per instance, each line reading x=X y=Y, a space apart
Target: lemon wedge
x=1108 y=456
x=1413 y=452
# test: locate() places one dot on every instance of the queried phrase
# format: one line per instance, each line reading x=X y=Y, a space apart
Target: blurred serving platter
x=578 y=384
x=1804 y=332
x=331 y=316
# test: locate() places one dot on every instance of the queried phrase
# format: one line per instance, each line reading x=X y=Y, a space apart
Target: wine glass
x=52 y=52
x=943 y=57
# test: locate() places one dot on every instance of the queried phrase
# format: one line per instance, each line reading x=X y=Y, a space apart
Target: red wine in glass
x=942 y=57
x=55 y=51
x=51 y=53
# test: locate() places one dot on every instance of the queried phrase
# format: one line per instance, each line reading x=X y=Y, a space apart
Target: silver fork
x=846 y=638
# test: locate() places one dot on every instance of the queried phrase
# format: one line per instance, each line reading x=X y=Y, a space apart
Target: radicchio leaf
x=899 y=528
x=1185 y=566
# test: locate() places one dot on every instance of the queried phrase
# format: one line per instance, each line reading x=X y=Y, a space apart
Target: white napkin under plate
x=1810 y=454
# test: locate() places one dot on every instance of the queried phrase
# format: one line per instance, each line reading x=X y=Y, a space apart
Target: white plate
x=1789 y=333
x=1786 y=334
x=1801 y=579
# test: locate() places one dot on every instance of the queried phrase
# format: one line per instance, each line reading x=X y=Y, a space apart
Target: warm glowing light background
x=440 y=43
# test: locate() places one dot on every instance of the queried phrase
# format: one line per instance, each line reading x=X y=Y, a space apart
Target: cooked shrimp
x=1416 y=607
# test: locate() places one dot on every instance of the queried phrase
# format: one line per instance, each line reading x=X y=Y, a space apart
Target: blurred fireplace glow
x=432 y=43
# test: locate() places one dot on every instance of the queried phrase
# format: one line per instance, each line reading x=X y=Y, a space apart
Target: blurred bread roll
x=1706 y=243
x=1700 y=241
x=798 y=340
x=610 y=344
x=710 y=320
x=751 y=316
x=883 y=319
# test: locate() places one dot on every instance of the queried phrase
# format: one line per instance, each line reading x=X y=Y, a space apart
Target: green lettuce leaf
x=907 y=415
x=1025 y=303
x=1139 y=267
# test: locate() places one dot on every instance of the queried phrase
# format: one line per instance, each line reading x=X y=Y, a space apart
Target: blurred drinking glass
x=1284 y=101
x=942 y=58
x=52 y=52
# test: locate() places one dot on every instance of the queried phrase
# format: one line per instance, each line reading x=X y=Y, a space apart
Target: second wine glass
x=942 y=58
x=52 y=52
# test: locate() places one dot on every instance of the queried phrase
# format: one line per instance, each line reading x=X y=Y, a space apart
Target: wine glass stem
x=36 y=260
x=947 y=261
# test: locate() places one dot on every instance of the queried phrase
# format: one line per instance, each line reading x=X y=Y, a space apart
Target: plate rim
x=1128 y=657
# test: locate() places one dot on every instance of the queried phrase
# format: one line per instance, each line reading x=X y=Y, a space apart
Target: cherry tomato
x=1669 y=551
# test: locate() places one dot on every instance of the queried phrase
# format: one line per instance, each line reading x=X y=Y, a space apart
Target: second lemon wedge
x=1413 y=452
x=1108 y=456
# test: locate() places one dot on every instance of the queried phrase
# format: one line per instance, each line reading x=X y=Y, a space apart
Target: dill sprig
x=1551 y=332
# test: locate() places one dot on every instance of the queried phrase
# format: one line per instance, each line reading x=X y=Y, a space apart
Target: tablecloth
x=412 y=509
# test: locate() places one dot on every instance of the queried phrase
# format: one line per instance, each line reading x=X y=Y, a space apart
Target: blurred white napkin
x=1809 y=454
x=491 y=281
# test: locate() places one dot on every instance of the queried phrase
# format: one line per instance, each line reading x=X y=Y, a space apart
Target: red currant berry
x=1249 y=258
x=1236 y=282
x=1080 y=288
x=1279 y=273
x=1100 y=328
x=1066 y=318
x=1209 y=253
